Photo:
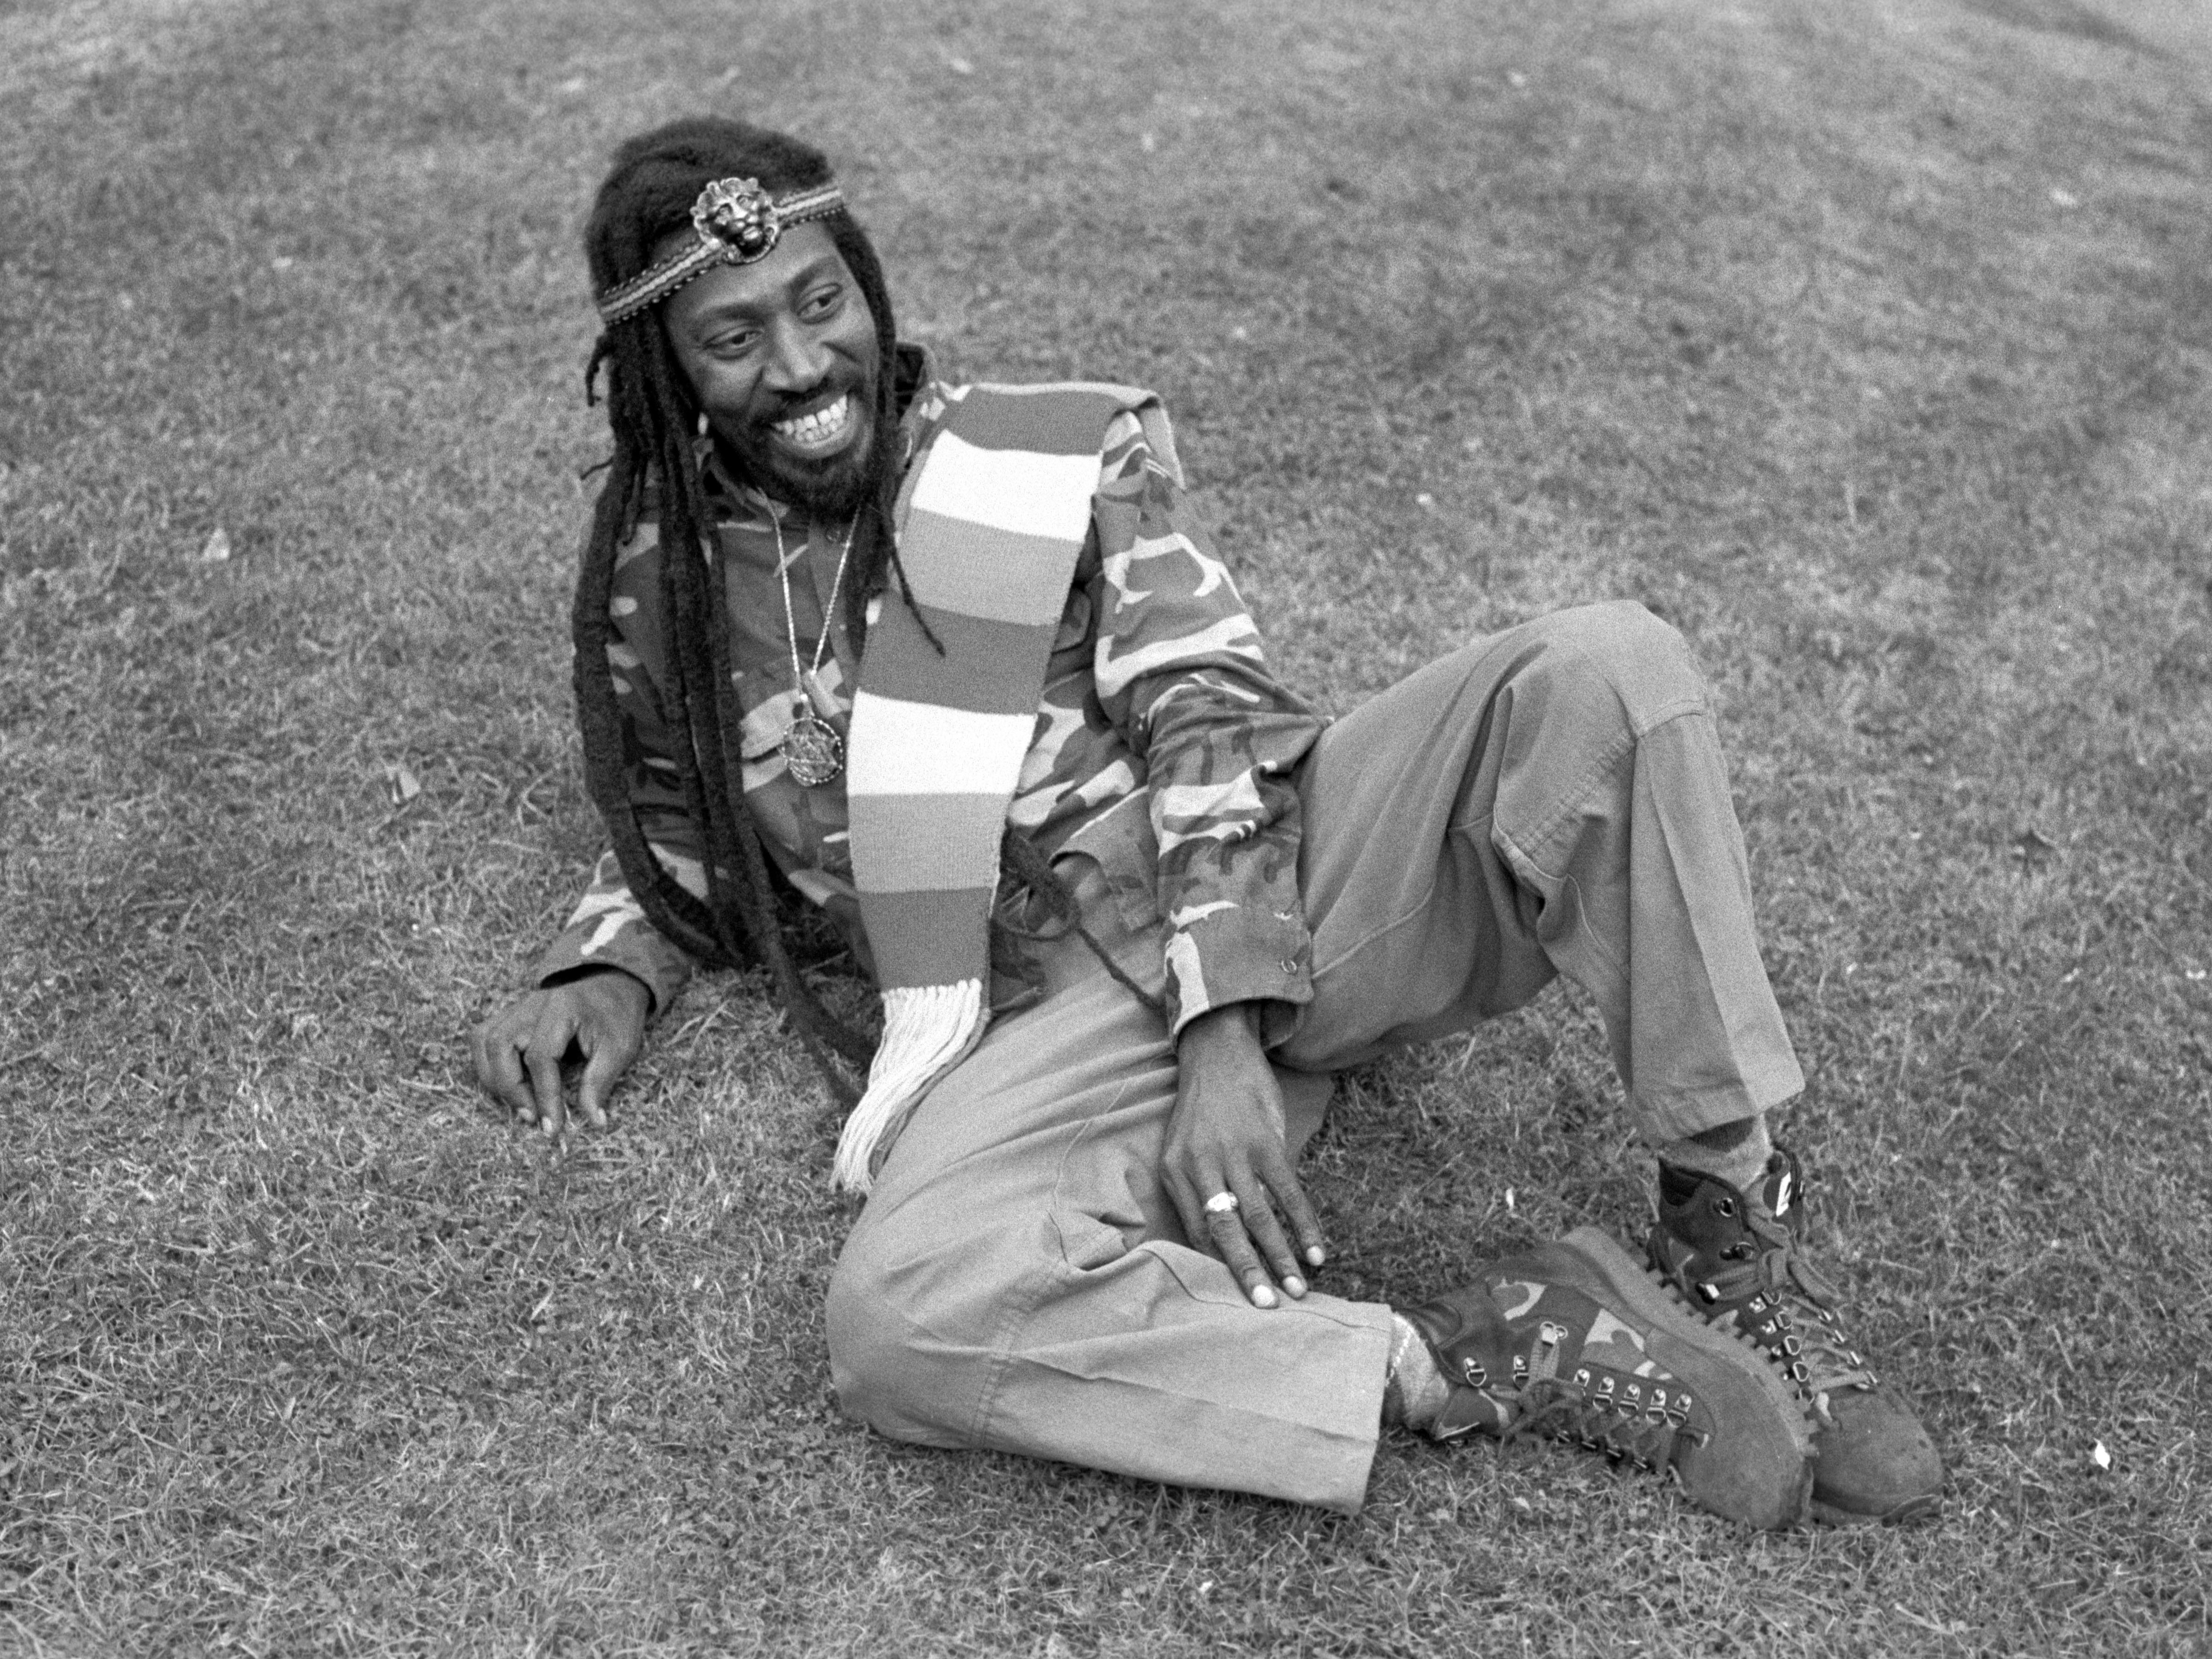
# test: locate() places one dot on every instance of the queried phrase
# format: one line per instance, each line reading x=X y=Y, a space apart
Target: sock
x=1414 y=1391
x=1736 y=1152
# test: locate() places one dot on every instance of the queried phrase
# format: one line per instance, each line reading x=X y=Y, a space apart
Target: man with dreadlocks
x=954 y=664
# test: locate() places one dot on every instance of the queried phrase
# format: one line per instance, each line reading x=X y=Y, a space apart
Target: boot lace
x=1787 y=1305
x=1560 y=1411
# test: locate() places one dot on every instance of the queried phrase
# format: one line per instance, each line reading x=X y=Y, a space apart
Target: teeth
x=822 y=424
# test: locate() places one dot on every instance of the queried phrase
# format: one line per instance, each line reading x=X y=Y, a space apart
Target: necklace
x=812 y=748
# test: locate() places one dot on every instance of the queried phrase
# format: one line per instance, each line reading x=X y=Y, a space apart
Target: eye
x=822 y=303
x=731 y=342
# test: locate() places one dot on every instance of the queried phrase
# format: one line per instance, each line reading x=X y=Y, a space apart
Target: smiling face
x=781 y=356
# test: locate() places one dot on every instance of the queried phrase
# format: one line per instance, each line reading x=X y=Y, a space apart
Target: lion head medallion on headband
x=737 y=223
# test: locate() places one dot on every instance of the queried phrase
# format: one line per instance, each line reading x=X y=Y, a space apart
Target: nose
x=797 y=360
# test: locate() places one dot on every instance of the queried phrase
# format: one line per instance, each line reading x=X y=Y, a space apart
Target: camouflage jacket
x=1163 y=746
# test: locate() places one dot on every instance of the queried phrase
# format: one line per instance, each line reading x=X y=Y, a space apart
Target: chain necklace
x=811 y=749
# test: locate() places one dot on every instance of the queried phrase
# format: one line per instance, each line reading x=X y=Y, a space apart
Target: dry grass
x=1867 y=340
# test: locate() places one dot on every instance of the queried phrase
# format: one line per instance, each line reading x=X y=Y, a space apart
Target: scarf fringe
x=927 y=1030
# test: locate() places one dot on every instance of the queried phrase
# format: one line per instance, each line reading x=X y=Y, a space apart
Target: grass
x=1868 y=340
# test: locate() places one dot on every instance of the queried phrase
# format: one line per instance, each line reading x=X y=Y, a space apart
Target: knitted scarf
x=990 y=519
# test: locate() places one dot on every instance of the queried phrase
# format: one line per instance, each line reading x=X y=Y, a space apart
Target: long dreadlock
x=653 y=476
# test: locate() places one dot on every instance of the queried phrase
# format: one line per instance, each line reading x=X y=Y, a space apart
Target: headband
x=737 y=223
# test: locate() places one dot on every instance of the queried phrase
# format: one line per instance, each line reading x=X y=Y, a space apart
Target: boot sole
x=1758 y=1468
x=1904 y=1515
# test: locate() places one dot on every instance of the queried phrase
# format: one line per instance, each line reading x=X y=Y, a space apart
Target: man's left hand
x=1226 y=1136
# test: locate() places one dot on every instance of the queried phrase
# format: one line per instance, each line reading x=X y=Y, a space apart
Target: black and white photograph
x=1008 y=828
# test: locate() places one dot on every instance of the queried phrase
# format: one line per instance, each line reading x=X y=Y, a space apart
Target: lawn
x=1869 y=341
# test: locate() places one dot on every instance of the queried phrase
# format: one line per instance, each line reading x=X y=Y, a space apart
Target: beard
x=836 y=487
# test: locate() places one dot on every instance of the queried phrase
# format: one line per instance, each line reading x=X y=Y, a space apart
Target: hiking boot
x=1738 y=1258
x=1574 y=1341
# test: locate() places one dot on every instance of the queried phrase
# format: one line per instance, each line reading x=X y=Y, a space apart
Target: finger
x=1268 y=1233
x=1225 y=1228
x=1291 y=1195
x=1187 y=1206
x=499 y=1069
x=607 y=1057
x=542 y=1056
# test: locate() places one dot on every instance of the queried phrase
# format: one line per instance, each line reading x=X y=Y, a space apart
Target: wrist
x=1233 y=1027
x=605 y=979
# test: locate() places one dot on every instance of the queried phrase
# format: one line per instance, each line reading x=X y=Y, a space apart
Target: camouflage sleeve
x=608 y=928
x=1180 y=673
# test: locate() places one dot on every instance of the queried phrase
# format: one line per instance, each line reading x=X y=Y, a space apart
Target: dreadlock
x=653 y=476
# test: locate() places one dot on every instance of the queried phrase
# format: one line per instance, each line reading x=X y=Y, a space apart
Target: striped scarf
x=992 y=516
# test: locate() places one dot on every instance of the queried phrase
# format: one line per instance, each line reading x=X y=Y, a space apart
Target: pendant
x=813 y=752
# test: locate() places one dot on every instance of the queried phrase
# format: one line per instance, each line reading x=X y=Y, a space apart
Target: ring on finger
x=1221 y=1203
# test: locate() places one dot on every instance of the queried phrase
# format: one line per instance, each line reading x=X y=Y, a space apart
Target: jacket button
x=1289 y=965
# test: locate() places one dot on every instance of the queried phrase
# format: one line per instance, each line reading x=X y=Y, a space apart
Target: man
x=955 y=665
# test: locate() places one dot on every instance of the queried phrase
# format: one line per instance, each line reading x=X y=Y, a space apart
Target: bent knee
x=866 y=1318
x=865 y=1326
x=1612 y=631
x=1639 y=659
x=912 y=1317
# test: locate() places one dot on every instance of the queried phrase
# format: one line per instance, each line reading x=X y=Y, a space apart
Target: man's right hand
x=519 y=1050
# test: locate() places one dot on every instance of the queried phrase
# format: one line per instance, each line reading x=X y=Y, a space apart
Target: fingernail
x=1262 y=1297
x=1315 y=1256
x=1293 y=1284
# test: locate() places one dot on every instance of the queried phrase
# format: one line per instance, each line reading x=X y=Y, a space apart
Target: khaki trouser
x=1547 y=799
